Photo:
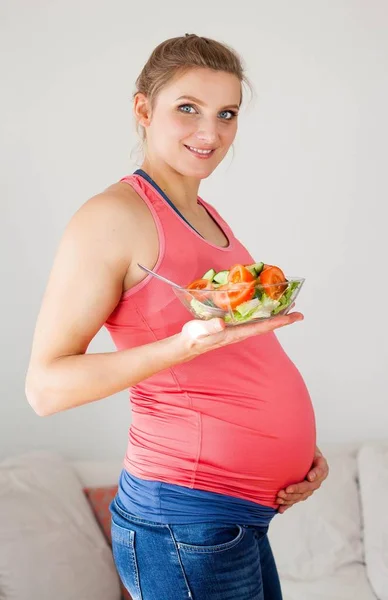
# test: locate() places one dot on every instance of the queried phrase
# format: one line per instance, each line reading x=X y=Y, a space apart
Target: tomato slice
x=269 y=278
x=239 y=289
x=200 y=284
x=226 y=298
x=239 y=274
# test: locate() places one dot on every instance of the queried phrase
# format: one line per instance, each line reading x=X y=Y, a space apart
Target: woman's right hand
x=198 y=337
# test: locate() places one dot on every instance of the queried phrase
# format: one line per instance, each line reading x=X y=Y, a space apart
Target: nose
x=207 y=132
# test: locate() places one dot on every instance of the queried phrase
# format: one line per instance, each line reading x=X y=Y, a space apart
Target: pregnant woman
x=223 y=431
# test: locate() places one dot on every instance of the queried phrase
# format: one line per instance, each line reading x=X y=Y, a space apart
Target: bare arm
x=84 y=287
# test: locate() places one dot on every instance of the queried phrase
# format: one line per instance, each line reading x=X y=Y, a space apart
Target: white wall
x=307 y=188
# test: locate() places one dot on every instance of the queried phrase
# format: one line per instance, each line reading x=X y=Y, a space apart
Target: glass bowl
x=241 y=302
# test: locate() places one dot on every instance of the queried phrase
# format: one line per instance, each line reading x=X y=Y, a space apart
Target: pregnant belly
x=256 y=461
x=258 y=442
x=241 y=423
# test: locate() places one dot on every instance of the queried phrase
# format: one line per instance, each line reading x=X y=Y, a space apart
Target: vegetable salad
x=244 y=292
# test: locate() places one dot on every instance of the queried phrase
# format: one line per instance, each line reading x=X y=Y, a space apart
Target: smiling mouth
x=200 y=152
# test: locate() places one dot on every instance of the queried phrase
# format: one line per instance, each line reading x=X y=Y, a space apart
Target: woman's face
x=194 y=112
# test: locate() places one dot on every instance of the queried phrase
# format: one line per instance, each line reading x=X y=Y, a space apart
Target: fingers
x=247 y=329
x=198 y=329
x=316 y=474
x=302 y=488
x=293 y=498
x=300 y=492
x=203 y=335
x=320 y=470
x=297 y=492
x=210 y=327
x=280 y=321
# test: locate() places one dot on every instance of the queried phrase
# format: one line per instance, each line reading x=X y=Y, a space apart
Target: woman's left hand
x=301 y=491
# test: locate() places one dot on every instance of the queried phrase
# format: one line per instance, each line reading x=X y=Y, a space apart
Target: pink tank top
x=237 y=420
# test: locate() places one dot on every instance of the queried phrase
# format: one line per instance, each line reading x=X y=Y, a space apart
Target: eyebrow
x=197 y=101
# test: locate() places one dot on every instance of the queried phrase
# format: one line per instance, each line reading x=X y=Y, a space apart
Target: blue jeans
x=197 y=561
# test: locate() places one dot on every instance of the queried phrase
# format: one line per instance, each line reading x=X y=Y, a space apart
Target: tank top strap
x=171 y=224
x=147 y=193
x=162 y=194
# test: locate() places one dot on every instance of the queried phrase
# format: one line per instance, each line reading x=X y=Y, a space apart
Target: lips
x=200 y=152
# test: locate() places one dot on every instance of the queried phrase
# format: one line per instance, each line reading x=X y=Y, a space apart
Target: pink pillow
x=99 y=500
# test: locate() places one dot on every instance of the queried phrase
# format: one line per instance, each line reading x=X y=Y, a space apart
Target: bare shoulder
x=112 y=205
x=117 y=226
x=113 y=216
x=88 y=274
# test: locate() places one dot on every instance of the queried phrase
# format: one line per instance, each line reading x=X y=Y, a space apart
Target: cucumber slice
x=221 y=277
x=252 y=270
x=209 y=274
x=255 y=269
x=258 y=267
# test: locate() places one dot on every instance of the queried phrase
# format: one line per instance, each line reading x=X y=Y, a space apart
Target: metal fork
x=160 y=277
x=216 y=312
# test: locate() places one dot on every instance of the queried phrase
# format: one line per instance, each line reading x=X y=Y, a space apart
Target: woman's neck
x=181 y=190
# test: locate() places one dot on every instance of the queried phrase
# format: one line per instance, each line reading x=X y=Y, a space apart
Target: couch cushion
x=50 y=543
x=373 y=473
x=314 y=538
x=348 y=583
x=99 y=499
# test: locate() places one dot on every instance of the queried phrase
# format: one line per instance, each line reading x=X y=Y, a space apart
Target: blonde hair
x=176 y=56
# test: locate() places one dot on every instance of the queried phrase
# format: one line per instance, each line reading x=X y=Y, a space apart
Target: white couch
x=333 y=546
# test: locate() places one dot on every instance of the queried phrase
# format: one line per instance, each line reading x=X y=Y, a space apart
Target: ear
x=142 y=109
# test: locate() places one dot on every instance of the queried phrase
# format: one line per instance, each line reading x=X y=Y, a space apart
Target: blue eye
x=190 y=110
x=184 y=106
x=230 y=112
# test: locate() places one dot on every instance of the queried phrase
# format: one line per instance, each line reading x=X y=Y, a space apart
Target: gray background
x=306 y=189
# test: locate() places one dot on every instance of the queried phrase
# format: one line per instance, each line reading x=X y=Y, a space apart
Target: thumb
x=198 y=329
x=215 y=325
